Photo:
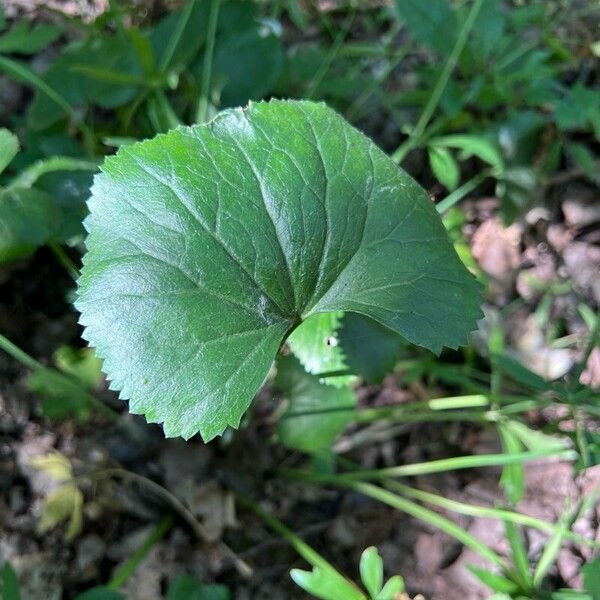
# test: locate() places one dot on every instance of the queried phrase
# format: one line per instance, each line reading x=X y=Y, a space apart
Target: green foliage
x=9 y=146
x=433 y=23
x=187 y=587
x=26 y=38
x=212 y=246
x=328 y=584
x=371 y=350
x=591 y=578
x=69 y=395
x=511 y=71
x=30 y=216
x=100 y=593
x=27 y=220
x=10 y=588
x=316 y=344
x=316 y=414
x=142 y=68
x=312 y=235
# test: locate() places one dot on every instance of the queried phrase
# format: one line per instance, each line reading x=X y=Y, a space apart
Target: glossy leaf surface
x=209 y=244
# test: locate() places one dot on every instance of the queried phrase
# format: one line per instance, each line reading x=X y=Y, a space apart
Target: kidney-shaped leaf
x=209 y=244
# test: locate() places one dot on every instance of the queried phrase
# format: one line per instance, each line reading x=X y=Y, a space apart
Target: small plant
x=327 y=584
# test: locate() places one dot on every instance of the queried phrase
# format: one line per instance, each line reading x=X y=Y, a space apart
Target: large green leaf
x=209 y=244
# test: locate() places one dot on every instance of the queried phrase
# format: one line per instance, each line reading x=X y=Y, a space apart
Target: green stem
x=328 y=60
x=28 y=176
x=445 y=464
x=20 y=355
x=64 y=260
x=344 y=587
x=300 y=546
x=483 y=512
x=419 y=512
x=415 y=138
x=428 y=516
x=175 y=38
x=203 y=102
x=592 y=343
x=436 y=409
x=375 y=414
x=125 y=571
x=459 y=193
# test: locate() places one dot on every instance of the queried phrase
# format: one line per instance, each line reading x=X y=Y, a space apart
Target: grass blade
x=24 y=74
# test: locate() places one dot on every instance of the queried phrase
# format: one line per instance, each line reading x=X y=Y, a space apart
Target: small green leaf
x=249 y=57
x=444 y=167
x=513 y=476
x=591 y=578
x=497 y=583
x=54 y=464
x=80 y=363
x=10 y=589
x=9 y=146
x=472 y=145
x=317 y=413
x=62 y=396
x=191 y=38
x=585 y=159
x=262 y=217
x=521 y=374
x=371 y=350
x=315 y=342
x=432 y=23
x=187 y=587
x=534 y=440
x=326 y=584
x=393 y=587
x=371 y=570
x=487 y=31
x=28 y=219
x=25 y=38
x=518 y=553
